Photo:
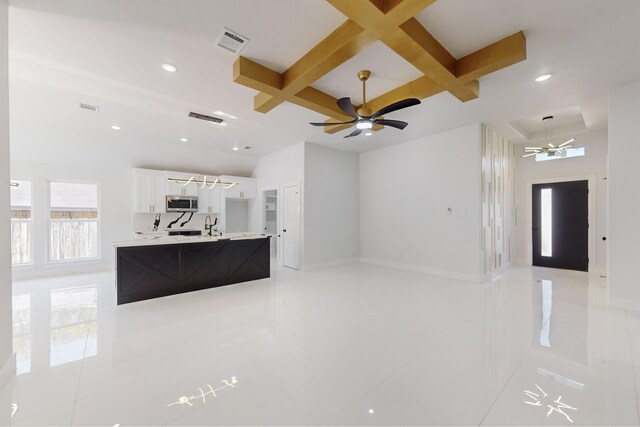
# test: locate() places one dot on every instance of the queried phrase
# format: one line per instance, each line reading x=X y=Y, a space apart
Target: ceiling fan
x=363 y=119
x=550 y=149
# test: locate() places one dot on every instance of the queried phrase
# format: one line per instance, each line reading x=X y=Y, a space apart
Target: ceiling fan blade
x=529 y=155
x=405 y=103
x=566 y=142
x=354 y=133
x=332 y=124
x=533 y=148
x=551 y=145
x=346 y=106
x=393 y=123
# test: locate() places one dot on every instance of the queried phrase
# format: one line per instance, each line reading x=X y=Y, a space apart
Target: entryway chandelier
x=550 y=149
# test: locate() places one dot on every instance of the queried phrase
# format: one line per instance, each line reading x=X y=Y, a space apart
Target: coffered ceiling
x=110 y=52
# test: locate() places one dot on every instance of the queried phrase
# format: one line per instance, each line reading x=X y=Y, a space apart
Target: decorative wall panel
x=497 y=200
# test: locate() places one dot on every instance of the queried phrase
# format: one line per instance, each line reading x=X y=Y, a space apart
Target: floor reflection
x=74 y=313
x=22 y=332
x=64 y=319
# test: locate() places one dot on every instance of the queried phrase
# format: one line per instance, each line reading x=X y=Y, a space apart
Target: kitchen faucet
x=207 y=224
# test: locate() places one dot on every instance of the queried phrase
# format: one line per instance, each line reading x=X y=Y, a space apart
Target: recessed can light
x=236 y=148
x=169 y=68
x=543 y=77
x=115 y=127
x=371 y=411
x=183 y=140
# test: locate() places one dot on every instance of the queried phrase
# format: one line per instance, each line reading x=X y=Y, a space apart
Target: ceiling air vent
x=89 y=107
x=231 y=41
x=205 y=117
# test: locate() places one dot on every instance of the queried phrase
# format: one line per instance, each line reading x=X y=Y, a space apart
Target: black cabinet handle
x=604 y=238
x=284 y=231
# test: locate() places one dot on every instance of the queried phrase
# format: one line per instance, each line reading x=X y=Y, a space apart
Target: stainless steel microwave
x=182 y=204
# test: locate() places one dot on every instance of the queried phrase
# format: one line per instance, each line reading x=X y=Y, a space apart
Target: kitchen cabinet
x=175 y=189
x=149 y=191
x=247 y=188
x=209 y=199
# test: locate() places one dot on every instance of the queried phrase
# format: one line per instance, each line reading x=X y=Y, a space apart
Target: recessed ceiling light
x=371 y=411
x=543 y=77
x=183 y=140
x=368 y=133
x=115 y=127
x=236 y=148
x=223 y=114
x=169 y=67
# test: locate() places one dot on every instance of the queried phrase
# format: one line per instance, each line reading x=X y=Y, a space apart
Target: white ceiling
x=109 y=52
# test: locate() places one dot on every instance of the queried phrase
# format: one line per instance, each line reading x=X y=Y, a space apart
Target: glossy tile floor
x=352 y=345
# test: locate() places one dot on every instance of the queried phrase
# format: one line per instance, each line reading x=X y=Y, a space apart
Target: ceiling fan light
x=364 y=124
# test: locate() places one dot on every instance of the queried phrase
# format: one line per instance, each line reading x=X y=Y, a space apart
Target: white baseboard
x=7 y=370
x=475 y=278
x=624 y=304
x=329 y=264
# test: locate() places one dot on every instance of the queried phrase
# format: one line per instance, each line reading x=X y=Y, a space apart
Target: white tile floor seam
x=484 y=417
x=350 y=345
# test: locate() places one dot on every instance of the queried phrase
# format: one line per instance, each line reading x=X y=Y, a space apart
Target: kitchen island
x=161 y=266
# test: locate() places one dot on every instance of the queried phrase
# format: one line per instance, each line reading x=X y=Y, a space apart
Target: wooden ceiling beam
x=392 y=22
x=501 y=54
x=341 y=45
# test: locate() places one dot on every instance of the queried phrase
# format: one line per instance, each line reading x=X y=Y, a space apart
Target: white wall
x=624 y=188
x=6 y=368
x=236 y=216
x=331 y=206
x=115 y=186
x=405 y=191
x=280 y=168
x=529 y=171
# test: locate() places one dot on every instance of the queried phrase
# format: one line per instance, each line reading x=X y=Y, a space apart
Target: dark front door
x=561 y=225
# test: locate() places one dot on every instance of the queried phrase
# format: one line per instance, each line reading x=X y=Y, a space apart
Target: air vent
x=205 y=118
x=232 y=41
x=89 y=107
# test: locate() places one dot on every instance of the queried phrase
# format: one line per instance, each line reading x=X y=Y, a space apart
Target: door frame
x=281 y=223
x=263 y=219
x=528 y=217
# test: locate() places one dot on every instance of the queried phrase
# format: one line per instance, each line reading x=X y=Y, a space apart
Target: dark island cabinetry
x=157 y=270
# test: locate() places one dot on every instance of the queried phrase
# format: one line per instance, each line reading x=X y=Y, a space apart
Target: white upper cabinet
x=209 y=199
x=175 y=189
x=149 y=191
x=246 y=189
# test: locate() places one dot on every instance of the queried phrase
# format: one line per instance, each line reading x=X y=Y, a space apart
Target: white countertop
x=172 y=240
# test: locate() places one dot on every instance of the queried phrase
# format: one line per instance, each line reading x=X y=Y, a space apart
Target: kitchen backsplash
x=144 y=222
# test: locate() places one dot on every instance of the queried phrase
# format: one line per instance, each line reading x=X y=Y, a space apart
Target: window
x=565 y=154
x=73 y=221
x=21 y=223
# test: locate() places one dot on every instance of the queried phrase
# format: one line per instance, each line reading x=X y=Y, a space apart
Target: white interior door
x=291 y=226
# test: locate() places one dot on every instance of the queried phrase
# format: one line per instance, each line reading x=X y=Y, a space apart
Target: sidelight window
x=546 y=226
